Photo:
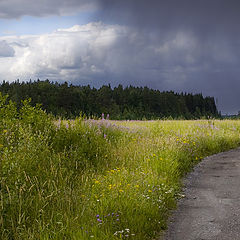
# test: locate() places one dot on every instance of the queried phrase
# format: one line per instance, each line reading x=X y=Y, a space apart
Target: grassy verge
x=96 y=179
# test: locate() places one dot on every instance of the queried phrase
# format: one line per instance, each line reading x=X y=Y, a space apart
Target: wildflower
x=99 y=220
x=97 y=182
x=136 y=186
x=149 y=190
x=4 y=130
x=97 y=215
x=121 y=190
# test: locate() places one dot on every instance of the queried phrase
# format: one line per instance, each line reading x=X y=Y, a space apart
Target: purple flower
x=59 y=123
x=105 y=136
x=99 y=220
x=97 y=216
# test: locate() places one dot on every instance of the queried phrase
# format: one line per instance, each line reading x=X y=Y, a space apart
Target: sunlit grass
x=88 y=179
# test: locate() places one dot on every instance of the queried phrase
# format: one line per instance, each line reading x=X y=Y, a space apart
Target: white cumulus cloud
x=98 y=53
x=6 y=50
x=79 y=52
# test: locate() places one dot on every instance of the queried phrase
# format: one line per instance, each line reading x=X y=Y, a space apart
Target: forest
x=119 y=103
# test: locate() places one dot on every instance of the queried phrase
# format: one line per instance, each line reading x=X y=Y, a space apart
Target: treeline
x=120 y=103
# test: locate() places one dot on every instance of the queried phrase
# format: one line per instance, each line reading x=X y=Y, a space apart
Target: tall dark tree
x=120 y=103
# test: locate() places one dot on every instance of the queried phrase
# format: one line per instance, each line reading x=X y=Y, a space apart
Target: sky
x=181 y=45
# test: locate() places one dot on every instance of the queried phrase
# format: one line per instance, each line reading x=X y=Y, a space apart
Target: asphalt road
x=210 y=209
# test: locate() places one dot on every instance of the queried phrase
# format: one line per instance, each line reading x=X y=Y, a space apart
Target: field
x=97 y=179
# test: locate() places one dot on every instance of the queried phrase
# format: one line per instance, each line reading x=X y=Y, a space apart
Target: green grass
x=97 y=179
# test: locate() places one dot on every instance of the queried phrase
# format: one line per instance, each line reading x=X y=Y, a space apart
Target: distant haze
x=181 y=45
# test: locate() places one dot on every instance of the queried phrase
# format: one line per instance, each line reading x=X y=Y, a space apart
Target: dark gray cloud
x=172 y=14
x=198 y=43
x=181 y=45
x=18 y=8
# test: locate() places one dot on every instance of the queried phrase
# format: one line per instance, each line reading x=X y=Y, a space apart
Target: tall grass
x=87 y=179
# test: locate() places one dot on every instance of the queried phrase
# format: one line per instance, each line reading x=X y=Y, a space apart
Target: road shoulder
x=211 y=206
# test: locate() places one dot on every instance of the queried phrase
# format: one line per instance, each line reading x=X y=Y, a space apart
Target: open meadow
x=97 y=179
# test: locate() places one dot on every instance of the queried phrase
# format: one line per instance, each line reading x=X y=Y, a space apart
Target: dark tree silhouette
x=130 y=102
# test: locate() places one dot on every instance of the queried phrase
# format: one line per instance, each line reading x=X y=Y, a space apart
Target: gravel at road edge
x=210 y=209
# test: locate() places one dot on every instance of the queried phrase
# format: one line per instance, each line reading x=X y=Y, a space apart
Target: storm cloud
x=207 y=35
x=18 y=8
x=187 y=45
